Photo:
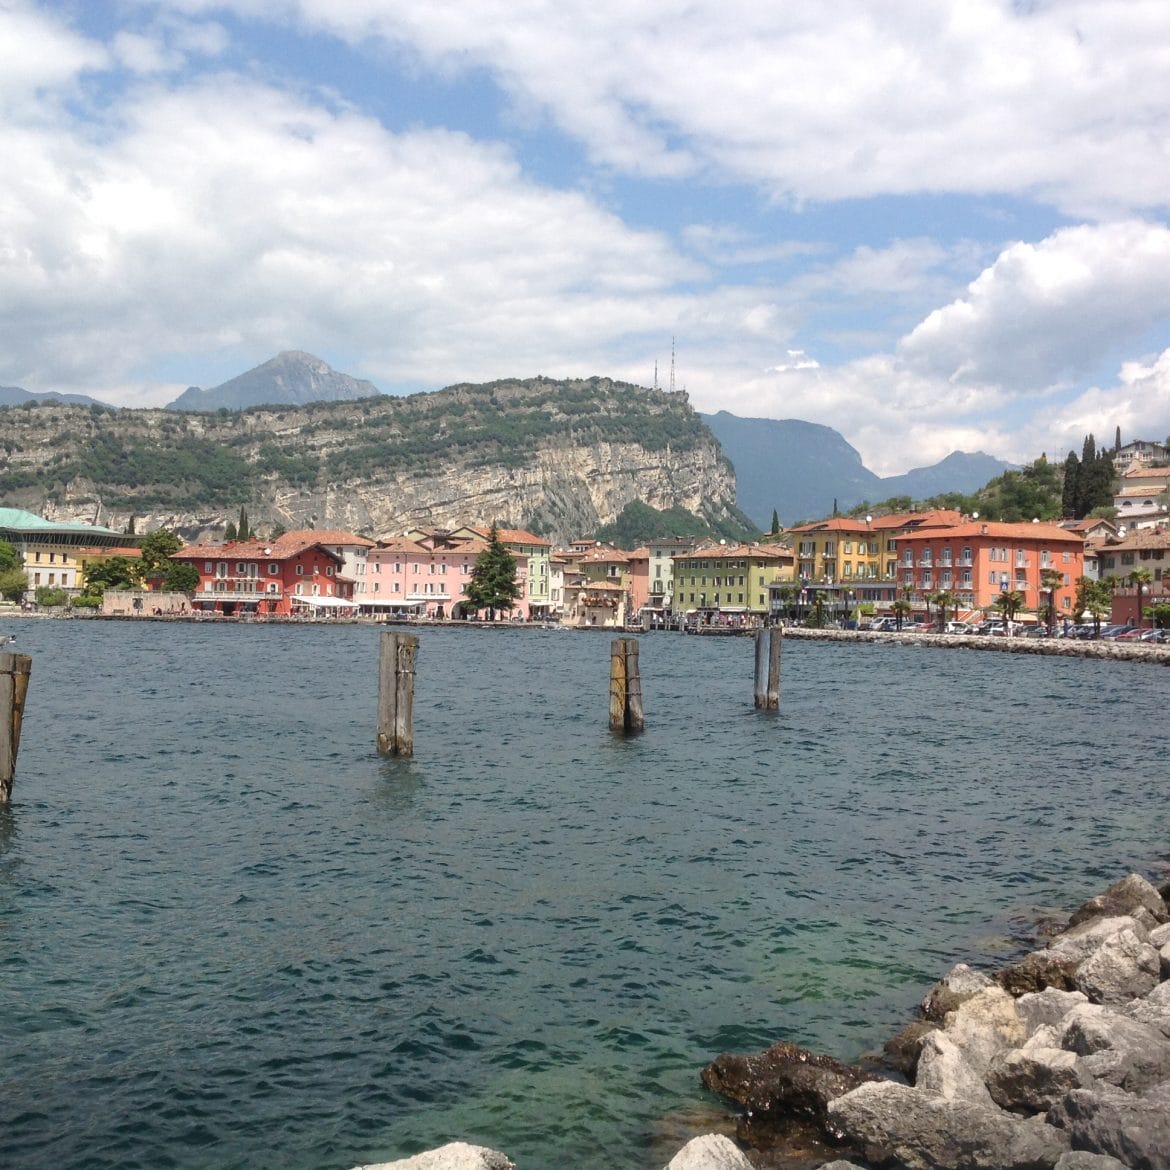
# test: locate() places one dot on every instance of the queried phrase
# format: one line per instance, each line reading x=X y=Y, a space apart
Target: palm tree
x=1140 y=578
x=945 y=600
x=1009 y=603
x=1051 y=580
x=901 y=608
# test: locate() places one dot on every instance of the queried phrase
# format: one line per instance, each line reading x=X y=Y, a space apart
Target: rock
x=1116 y=1049
x=920 y=1132
x=944 y=1071
x=984 y=1026
x=1031 y=1080
x=1160 y=935
x=1079 y=942
x=1037 y=971
x=1152 y=1009
x=1124 y=967
x=1083 y=1160
x=1123 y=897
x=956 y=987
x=1049 y=1006
x=454 y=1156
x=710 y=1151
x=782 y=1083
x=840 y=1164
x=902 y=1050
x=1135 y=1130
x=1164 y=959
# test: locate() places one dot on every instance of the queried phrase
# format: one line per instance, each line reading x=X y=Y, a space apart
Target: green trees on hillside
x=1088 y=481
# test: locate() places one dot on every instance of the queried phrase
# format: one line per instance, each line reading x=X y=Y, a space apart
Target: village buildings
x=978 y=561
x=295 y=573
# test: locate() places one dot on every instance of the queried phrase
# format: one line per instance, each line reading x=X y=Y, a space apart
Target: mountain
x=800 y=469
x=291 y=378
x=557 y=457
x=15 y=396
x=960 y=471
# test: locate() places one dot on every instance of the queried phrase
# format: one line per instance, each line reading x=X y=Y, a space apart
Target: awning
x=325 y=602
x=387 y=603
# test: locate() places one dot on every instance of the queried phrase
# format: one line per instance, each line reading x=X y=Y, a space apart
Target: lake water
x=231 y=935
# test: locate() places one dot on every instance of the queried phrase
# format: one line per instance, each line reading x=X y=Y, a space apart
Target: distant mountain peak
x=291 y=378
x=801 y=469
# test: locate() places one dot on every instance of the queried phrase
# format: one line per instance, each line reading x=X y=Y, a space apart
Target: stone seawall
x=1056 y=647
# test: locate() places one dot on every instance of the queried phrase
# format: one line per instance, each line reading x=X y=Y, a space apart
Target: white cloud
x=1046 y=312
x=38 y=52
x=1062 y=102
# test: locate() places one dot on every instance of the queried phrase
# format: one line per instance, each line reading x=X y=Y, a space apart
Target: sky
x=933 y=227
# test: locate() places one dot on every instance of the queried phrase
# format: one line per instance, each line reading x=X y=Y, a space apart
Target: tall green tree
x=157 y=549
x=113 y=573
x=9 y=557
x=1094 y=598
x=181 y=578
x=775 y=530
x=493 y=585
x=13 y=584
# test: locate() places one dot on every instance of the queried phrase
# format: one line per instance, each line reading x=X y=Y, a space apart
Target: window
x=300 y=572
x=273 y=569
x=328 y=570
x=965 y=558
x=207 y=565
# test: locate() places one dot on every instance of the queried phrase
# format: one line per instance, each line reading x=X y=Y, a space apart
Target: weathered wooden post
x=625 y=687
x=396 y=655
x=768 y=669
x=14 y=673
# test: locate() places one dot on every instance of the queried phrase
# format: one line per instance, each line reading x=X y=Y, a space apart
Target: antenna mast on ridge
x=672 y=365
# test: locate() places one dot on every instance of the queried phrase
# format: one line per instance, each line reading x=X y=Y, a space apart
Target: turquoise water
x=231 y=935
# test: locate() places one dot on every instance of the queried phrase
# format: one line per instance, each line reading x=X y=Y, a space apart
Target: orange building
x=978 y=560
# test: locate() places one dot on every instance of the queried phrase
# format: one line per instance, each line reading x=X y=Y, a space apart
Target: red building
x=980 y=560
x=293 y=574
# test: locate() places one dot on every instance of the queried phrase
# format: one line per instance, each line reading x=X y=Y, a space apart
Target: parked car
x=1112 y=632
x=959 y=628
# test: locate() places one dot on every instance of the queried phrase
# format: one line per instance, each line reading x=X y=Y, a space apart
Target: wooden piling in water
x=396 y=655
x=14 y=674
x=768 y=669
x=625 y=687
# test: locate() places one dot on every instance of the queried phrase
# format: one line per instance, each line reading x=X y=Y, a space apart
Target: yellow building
x=729 y=578
x=52 y=551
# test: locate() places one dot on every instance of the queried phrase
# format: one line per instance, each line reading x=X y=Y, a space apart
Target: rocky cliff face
x=557 y=457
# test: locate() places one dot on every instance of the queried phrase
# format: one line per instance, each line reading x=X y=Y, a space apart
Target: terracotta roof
x=289 y=545
x=604 y=556
x=740 y=552
x=330 y=536
x=513 y=536
x=1136 y=491
x=1046 y=530
x=1142 y=471
x=401 y=544
x=1142 y=538
x=106 y=550
x=935 y=518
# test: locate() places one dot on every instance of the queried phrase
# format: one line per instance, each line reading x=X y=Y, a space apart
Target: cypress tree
x=1070 y=490
x=775 y=522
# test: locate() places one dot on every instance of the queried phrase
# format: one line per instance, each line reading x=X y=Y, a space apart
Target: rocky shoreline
x=1058 y=1061
x=1053 y=647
